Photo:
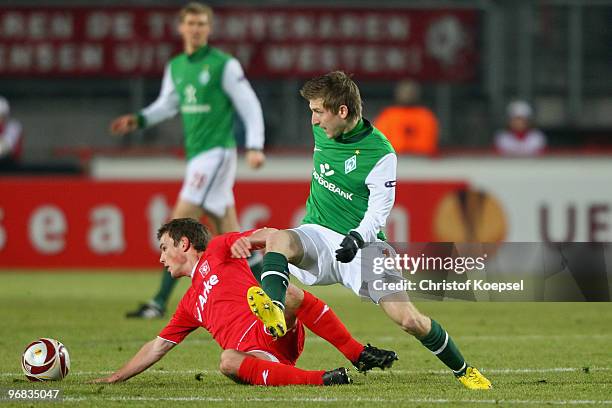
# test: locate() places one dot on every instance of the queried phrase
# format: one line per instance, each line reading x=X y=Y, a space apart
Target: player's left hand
x=255 y=158
x=349 y=247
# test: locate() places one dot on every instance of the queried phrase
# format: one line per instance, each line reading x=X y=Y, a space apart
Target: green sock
x=165 y=290
x=275 y=276
x=441 y=344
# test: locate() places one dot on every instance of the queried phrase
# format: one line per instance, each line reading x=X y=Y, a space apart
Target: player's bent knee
x=230 y=362
x=285 y=242
x=278 y=241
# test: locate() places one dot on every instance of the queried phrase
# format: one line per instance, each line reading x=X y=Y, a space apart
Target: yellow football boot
x=474 y=380
x=267 y=311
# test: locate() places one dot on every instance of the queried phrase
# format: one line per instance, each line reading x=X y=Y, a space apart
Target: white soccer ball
x=44 y=360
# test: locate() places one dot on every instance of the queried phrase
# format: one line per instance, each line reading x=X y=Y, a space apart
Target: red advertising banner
x=270 y=42
x=68 y=223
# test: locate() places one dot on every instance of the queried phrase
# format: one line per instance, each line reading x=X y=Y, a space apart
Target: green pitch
x=535 y=354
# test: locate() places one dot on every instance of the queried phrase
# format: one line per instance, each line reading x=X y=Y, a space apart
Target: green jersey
x=346 y=171
x=204 y=87
x=205 y=109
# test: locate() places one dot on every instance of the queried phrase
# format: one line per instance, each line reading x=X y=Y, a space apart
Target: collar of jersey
x=194 y=268
x=199 y=53
x=361 y=130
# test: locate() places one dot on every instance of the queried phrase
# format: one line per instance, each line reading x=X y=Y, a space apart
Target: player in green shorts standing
x=206 y=86
x=351 y=194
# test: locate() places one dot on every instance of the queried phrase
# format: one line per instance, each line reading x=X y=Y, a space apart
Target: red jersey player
x=216 y=301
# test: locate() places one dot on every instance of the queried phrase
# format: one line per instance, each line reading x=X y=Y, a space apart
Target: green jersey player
x=351 y=194
x=206 y=86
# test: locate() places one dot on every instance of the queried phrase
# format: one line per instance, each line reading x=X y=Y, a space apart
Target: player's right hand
x=241 y=248
x=124 y=124
x=103 y=380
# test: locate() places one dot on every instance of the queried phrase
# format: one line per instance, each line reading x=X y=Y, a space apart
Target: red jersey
x=217 y=301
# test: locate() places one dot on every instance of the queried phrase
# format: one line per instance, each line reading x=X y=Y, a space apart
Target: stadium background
x=554 y=53
x=67 y=68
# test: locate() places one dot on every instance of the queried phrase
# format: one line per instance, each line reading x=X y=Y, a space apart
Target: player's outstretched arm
x=124 y=124
x=242 y=247
x=248 y=107
x=148 y=355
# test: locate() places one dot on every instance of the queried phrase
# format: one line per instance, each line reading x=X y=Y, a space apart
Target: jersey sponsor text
x=331 y=186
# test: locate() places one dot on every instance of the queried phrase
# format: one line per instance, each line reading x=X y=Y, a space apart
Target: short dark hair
x=336 y=89
x=197 y=234
x=196 y=8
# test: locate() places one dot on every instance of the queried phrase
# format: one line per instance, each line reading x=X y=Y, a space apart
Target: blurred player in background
x=215 y=301
x=410 y=127
x=520 y=138
x=10 y=138
x=351 y=195
x=206 y=86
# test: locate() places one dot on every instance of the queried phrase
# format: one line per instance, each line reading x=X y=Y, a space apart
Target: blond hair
x=196 y=8
x=336 y=89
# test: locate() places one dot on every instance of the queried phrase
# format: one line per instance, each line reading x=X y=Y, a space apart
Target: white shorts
x=209 y=180
x=320 y=267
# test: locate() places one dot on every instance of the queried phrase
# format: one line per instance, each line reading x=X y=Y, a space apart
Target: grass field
x=536 y=354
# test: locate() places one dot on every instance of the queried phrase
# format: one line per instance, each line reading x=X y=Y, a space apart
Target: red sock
x=323 y=322
x=262 y=372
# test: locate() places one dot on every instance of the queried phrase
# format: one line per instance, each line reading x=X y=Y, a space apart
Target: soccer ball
x=45 y=359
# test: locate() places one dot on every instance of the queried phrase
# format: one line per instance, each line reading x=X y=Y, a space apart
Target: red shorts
x=286 y=349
